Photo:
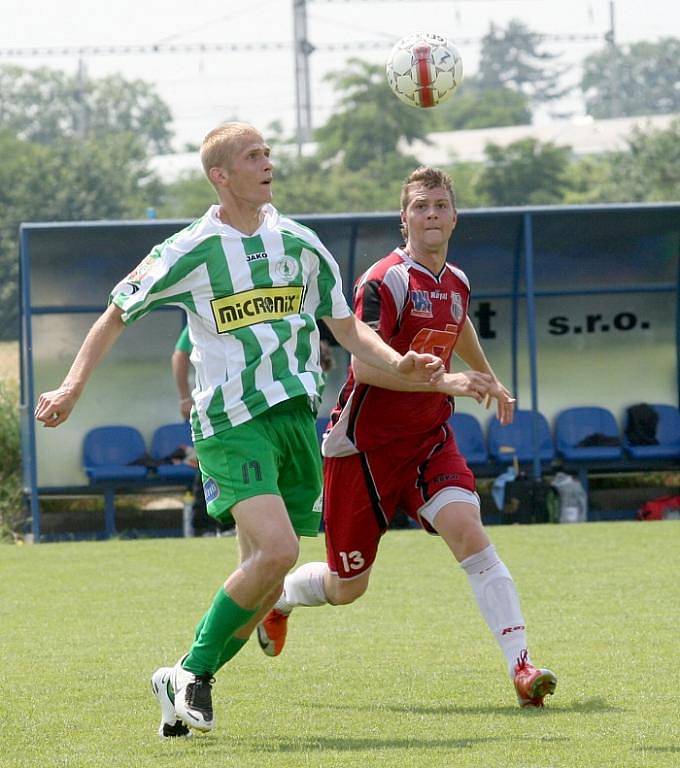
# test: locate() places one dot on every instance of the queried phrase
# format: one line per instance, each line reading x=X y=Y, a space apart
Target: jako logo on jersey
x=256 y=256
x=457 y=306
x=211 y=490
x=422 y=306
x=260 y=305
x=287 y=268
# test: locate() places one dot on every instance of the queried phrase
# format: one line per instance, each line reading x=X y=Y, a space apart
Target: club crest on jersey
x=287 y=268
x=456 y=306
x=422 y=306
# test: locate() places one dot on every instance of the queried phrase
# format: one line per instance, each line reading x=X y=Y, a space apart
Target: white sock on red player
x=304 y=586
x=498 y=602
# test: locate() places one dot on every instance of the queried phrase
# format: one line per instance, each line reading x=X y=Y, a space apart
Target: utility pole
x=302 y=51
x=614 y=79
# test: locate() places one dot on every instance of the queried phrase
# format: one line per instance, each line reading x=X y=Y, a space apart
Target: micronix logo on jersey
x=259 y=305
x=457 y=306
x=422 y=306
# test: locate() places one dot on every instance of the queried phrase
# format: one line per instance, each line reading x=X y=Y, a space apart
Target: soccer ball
x=424 y=69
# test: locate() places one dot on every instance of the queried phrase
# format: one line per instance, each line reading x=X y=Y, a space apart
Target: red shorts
x=363 y=491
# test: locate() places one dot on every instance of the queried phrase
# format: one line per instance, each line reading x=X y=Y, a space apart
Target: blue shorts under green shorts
x=276 y=452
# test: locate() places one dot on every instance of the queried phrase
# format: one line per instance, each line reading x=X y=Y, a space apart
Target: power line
x=188 y=48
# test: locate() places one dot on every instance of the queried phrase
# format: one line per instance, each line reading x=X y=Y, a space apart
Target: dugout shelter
x=573 y=305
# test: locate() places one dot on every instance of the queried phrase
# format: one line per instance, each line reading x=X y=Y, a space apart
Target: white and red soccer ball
x=424 y=69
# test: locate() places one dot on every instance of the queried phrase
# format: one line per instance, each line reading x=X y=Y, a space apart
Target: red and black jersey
x=411 y=308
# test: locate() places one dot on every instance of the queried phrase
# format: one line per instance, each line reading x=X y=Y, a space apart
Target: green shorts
x=275 y=453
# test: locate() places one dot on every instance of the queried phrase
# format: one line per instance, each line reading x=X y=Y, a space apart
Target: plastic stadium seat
x=667 y=434
x=575 y=424
x=516 y=439
x=165 y=441
x=108 y=453
x=469 y=438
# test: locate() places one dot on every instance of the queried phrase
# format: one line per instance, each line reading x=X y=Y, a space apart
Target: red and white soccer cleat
x=271 y=632
x=532 y=684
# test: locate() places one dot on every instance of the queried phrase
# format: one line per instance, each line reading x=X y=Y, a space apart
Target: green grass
x=407 y=677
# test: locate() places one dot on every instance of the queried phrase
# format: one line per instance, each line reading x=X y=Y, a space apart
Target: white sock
x=304 y=586
x=498 y=602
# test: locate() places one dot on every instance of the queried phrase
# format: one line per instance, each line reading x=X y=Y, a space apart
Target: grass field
x=409 y=676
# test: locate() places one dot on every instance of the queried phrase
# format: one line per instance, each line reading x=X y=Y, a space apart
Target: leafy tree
x=512 y=58
x=591 y=180
x=526 y=172
x=474 y=106
x=71 y=180
x=369 y=122
x=650 y=170
x=466 y=178
x=186 y=198
x=639 y=79
x=45 y=105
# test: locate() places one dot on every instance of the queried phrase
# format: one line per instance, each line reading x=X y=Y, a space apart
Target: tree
x=44 y=105
x=639 y=79
x=474 y=106
x=370 y=121
x=650 y=170
x=526 y=172
x=70 y=180
x=512 y=58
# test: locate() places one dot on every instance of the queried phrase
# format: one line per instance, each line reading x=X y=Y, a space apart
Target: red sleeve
x=374 y=304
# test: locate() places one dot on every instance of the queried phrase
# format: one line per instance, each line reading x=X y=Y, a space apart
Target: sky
x=256 y=81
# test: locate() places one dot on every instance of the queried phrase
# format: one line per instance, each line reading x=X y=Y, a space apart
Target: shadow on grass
x=588 y=706
x=344 y=744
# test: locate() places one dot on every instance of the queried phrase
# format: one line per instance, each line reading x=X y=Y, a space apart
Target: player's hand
x=468 y=384
x=505 y=410
x=421 y=367
x=55 y=407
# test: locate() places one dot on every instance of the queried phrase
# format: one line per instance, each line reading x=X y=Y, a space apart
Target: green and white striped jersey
x=252 y=303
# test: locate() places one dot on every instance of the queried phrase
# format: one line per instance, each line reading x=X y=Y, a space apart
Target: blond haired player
x=253 y=283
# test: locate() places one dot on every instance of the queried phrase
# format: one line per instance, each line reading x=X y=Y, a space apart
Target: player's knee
x=276 y=560
x=345 y=592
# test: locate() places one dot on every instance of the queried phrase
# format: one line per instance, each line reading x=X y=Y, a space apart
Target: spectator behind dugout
x=203 y=524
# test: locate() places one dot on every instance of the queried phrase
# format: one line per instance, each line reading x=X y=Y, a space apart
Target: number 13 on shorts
x=351 y=561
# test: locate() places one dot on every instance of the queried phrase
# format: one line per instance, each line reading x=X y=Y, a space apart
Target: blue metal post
x=351 y=262
x=28 y=395
x=514 y=313
x=531 y=335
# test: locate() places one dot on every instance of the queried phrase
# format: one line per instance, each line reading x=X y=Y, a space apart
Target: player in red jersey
x=390 y=445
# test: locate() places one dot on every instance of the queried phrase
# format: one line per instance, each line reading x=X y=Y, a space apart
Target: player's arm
x=180 y=371
x=55 y=406
x=470 y=351
x=366 y=345
x=464 y=384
